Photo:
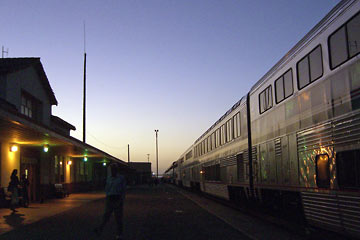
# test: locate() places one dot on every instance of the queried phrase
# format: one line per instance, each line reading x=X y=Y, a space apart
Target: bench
x=60 y=190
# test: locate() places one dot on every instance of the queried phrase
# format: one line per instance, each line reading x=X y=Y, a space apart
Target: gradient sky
x=172 y=65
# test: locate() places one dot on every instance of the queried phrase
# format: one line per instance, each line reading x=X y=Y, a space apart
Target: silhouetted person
x=115 y=195
x=13 y=187
x=25 y=186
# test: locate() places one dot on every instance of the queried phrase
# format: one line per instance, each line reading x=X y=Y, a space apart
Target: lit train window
x=284 y=86
x=265 y=99
x=310 y=68
x=344 y=43
x=322 y=171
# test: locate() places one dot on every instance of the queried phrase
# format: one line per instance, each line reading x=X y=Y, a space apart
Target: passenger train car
x=294 y=140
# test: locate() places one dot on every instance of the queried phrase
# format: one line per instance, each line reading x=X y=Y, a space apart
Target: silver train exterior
x=294 y=140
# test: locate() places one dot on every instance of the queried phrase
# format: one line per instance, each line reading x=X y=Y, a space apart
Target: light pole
x=157 y=157
x=148 y=157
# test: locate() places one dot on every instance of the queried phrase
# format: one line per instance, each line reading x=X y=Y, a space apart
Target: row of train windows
x=224 y=134
x=344 y=44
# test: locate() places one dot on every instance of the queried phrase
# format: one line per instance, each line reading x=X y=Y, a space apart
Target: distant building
x=37 y=143
x=142 y=172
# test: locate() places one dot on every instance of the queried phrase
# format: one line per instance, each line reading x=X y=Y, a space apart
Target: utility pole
x=157 y=156
x=148 y=157
x=84 y=100
x=128 y=153
x=3 y=51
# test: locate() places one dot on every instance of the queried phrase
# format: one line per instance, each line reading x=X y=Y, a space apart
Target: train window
x=310 y=68
x=348 y=167
x=338 y=48
x=265 y=99
x=322 y=171
x=209 y=143
x=212 y=173
x=344 y=43
x=218 y=136
x=223 y=134
x=303 y=73
x=213 y=139
x=284 y=86
x=236 y=122
x=279 y=89
x=288 y=83
x=206 y=145
x=354 y=35
x=229 y=129
x=316 y=68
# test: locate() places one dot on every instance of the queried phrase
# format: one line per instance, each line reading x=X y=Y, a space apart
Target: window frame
x=283 y=79
x=309 y=67
x=347 y=43
x=267 y=89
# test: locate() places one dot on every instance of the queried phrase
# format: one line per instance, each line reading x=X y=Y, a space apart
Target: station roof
x=9 y=65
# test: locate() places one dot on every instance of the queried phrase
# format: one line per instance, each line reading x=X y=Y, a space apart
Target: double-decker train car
x=294 y=140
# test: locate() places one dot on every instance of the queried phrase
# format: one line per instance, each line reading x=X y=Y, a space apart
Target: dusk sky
x=172 y=65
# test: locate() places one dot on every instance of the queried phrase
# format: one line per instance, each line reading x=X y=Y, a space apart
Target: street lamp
x=157 y=157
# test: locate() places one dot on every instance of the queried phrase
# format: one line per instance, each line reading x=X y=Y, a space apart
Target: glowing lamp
x=14 y=148
x=46 y=148
x=60 y=162
x=104 y=164
x=85 y=159
x=69 y=162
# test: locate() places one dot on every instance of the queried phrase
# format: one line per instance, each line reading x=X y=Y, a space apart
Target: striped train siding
x=346 y=130
x=217 y=189
x=228 y=161
x=338 y=211
x=335 y=210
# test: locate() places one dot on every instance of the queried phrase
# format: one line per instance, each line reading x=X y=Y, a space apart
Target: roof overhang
x=16 y=129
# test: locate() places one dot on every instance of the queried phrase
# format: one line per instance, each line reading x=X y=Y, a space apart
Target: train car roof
x=306 y=39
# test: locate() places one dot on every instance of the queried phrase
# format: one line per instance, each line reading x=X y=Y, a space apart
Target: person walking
x=24 y=190
x=114 y=202
x=13 y=187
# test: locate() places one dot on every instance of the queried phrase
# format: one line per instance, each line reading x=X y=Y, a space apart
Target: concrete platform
x=159 y=212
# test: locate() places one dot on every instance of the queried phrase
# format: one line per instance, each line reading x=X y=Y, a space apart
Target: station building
x=37 y=143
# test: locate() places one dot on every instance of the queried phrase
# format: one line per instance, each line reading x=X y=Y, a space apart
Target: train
x=293 y=141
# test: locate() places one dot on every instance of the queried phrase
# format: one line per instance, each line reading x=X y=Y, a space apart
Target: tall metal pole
x=128 y=153
x=157 y=156
x=148 y=157
x=84 y=102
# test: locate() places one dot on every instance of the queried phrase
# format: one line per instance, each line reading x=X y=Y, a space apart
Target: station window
x=322 y=171
x=348 y=167
x=30 y=106
x=26 y=106
x=265 y=99
x=284 y=86
x=310 y=68
x=345 y=42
